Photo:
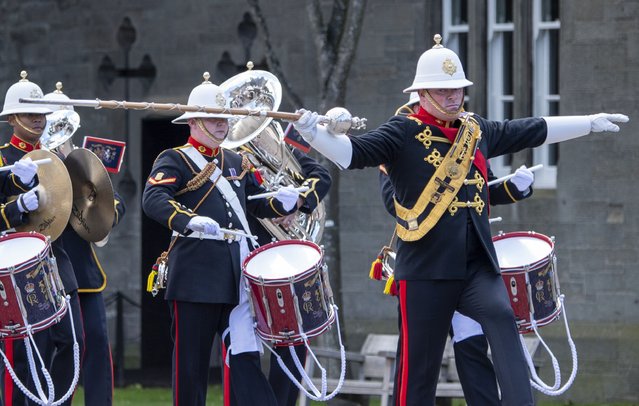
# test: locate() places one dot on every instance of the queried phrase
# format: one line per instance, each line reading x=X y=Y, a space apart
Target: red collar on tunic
x=23 y=145
x=450 y=132
x=203 y=149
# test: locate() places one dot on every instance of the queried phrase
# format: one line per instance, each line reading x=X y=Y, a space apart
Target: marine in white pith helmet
x=439 y=82
x=61 y=124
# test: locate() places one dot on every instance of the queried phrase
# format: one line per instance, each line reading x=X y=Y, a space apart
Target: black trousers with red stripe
x=97 y=367
x=56 y=347
x=193 y=329
x=426 y=310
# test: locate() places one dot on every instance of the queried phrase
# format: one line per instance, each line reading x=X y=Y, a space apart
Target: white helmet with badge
x=21 y=90
x=439 y=68
x=205 y=94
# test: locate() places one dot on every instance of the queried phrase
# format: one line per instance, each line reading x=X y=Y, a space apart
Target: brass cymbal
x=54 y=191
x=92 y=212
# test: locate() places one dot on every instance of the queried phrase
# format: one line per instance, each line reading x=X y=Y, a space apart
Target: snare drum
x=31 y=293
x=527 y=262
x=290 y=292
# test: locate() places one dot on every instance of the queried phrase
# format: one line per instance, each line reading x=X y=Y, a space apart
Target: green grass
x=136 y=395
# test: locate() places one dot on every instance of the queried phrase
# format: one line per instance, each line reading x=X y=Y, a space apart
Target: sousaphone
x=93 y=211
x=262 y=141
x=54 y=197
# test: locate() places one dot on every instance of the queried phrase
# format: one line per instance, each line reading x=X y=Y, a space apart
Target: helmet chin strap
x=200 y=125
x=452 y=115
x=25 y=128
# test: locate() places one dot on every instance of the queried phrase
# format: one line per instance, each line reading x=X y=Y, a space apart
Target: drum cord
x=318 y=395
x=76 y=372
x=536 y=381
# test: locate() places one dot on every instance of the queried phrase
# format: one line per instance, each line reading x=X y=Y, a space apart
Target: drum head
x=518 y=250
x=15 y=250
x=282 y=259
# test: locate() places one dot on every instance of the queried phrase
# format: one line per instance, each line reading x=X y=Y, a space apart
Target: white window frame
x=496 y=96
x=547 y=177
x=451 y=32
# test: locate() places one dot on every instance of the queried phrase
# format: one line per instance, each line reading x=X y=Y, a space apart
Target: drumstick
x=236 y=232
x=494 y=220
x=269 y=194
x=37 y=162
x=505 y=178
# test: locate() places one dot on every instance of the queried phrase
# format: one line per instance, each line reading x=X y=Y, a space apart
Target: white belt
x=219 y=237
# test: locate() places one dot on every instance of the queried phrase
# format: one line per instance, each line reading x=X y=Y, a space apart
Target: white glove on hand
x=307 y=124
x=605 y=122
x=287 y=196
x=523 y=178
x=28 y=201
x=205 y=225
x=25 y=170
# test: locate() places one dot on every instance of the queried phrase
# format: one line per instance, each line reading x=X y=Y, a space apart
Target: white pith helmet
x=439 y=68
x=57 y=94
x=413 y=98
x=205 y=94
x=23 y=89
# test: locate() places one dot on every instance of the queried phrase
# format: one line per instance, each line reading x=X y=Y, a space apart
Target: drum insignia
x=306 y=296
x=29 y=287
x=539 y=286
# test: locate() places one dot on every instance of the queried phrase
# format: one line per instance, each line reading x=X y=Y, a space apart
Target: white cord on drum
x=76 y=369
x=318 y=395
x=536 y=381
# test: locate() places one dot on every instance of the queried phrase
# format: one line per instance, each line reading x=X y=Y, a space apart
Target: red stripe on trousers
x=226 y=378
x=8 y=382
x=403 y=377
x=176 y=385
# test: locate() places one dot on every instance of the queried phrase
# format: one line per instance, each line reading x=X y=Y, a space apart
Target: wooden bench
x=374 y=369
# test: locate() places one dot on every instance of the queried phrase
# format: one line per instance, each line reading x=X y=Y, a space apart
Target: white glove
x=28 y=201
x=205 y=225
x=287 y=196
x=523 y=178
x=605 y=122
x=25 y=170
x=307 y=124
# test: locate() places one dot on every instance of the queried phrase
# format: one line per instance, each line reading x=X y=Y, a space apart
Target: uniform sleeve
x=10 y=216
x=316 y=178
x=120 y=208
x=167 y=177
x=386 y=189
x=505 y=192
x=382 y=145
x=510 y=136
x=264 y=208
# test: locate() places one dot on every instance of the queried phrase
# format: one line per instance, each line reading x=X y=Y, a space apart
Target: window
x=546 y=83
x=455 y=30
x=500 y=71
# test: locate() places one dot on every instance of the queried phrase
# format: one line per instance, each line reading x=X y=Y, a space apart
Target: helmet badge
x=449 y=67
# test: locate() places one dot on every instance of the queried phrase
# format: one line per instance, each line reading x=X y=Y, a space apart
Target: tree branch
x=273 y=60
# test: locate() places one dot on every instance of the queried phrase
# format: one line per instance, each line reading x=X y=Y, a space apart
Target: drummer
x=97 y=371
x=19 y=181
x=196 y=190
x=55 y=343
x=445 y=259
x=476 y=372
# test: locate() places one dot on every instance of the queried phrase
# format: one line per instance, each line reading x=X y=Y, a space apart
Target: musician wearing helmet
x=445 y=258
x=97 y=371
x=199 y=191
x=476 y=372
x=57 y=342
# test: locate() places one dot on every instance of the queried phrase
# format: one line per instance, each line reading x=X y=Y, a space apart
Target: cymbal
x=54 y=205
x=93 y=212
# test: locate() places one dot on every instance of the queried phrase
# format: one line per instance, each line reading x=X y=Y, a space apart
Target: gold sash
x=442 y=187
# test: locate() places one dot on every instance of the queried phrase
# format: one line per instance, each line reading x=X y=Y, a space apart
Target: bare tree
x=336 y=43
